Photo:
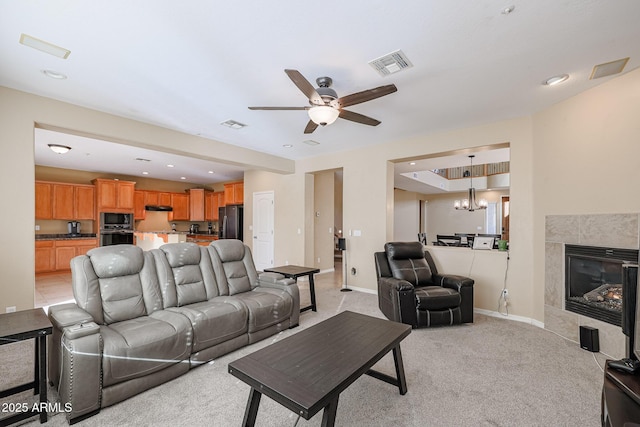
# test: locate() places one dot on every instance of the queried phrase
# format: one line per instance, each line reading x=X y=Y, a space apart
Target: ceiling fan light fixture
x=59 y=149
x=323 y=115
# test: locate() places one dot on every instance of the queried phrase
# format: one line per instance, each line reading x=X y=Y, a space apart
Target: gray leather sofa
x=142 y=318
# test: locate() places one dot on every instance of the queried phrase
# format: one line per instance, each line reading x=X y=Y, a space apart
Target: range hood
x=158 y=208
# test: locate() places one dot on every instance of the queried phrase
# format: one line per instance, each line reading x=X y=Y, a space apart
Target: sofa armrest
x=278 y=281
x=462 y=284
x=64 y=315
x=397 y=300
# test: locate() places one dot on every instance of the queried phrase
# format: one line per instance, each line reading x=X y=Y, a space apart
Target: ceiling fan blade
x=279 y=108
x=365 y=95
x=306 y=87
x=358 y=118
x=311 y=126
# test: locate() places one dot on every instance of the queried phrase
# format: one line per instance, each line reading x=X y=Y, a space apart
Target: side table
x=24 y=325
x=295 y=271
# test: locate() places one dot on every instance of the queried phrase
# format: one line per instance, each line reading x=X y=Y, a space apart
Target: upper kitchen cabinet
x=234 y=193
x=64 y=201
x=113 y=195
x=138 y=204
x=180 y=205
x=44 y=207
x=201 y=205
x=212 y=201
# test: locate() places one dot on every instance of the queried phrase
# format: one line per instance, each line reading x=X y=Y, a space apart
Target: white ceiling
x=193 y=64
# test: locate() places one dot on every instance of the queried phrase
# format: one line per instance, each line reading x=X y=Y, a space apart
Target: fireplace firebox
x=594 y=281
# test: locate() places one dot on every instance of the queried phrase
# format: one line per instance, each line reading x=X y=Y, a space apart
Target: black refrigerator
x=230 y=218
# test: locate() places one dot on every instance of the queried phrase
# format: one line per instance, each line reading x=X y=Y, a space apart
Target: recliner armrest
x=453 y=281
x=393 y=284
x=278 y=281
x=64 y=315
x=274 y=280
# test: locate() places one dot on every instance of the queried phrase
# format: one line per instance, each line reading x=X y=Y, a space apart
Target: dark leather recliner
x=411 y=291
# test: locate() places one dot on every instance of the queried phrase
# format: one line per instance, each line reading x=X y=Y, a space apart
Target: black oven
x=116 y=228
x=116 y=237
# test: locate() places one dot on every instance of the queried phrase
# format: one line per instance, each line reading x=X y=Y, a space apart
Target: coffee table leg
x=251 y=411
x=312 y=290
x=42 y=376
x=397 y=358
x=329 y=413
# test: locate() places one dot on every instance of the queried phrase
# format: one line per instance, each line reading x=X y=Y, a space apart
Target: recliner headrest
x=180 y=254
x=116 y=260
x=404 y=250
x=229 y=249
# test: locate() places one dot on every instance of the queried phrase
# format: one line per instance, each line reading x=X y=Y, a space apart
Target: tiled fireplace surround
x=604 y=230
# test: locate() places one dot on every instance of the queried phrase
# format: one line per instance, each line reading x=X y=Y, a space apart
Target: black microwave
x=116 y=220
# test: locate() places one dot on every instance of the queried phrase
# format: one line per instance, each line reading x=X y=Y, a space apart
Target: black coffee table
x=307 y=371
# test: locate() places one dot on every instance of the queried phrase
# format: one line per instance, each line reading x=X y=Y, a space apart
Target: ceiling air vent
x=391 y=63
x=608 y=69
x=233 y=124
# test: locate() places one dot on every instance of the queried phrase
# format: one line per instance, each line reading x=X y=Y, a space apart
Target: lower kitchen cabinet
x=56 y=255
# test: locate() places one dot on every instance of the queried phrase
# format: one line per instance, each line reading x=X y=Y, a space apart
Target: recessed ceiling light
x=412 y=163
x=44 y=46
x=210 y=172
x=54 y=74
x=507 y=10
x=170 y=166
x=233 y=124
x=59 y=149
x=552 y=81
x=145 y=173
x=288 y=146
x=183 y=177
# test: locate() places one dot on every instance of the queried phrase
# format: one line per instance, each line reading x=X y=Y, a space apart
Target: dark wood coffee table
x=295 y=271
x=307 y=371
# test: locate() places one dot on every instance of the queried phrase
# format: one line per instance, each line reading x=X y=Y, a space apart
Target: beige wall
x=579 y=156
x=586 y=153
x=406 y=215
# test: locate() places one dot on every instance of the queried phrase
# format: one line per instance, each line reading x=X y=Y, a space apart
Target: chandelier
x=470 y=204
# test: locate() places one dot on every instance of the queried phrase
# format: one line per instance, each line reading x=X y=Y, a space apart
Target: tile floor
x=55 y=288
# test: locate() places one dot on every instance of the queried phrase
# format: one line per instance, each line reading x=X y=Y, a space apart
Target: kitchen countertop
x=65 y=236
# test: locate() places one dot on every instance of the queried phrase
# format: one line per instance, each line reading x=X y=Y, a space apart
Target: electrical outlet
x=11 y=309
x=353 y=271
x=505 y=293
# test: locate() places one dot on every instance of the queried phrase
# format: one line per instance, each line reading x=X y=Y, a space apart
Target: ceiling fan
x=325 y=106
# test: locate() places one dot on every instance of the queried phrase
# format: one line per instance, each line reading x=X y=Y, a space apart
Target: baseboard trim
x=364 y=290
x=522 y=319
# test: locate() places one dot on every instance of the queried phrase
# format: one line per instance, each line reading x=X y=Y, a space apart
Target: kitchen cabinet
x=200 y=205
x=151 y=198
x=139 y=203
x=63 y=201
x=56 y=200
x=164 y=199
x=84 y=202
x=234 y=193
x=180 y=205
x=212 y=202
x=44 y=193
x=114 y=195
x=56 y=255
x=45 y=256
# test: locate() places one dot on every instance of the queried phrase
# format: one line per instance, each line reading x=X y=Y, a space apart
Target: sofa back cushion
x=186 y=274
x=108 y=283
x=407 y=262
x=233 y=266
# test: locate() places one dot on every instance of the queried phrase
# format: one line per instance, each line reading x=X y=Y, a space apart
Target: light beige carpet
x=493 y=372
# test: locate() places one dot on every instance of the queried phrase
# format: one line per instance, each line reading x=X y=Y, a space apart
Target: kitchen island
x=148 y=240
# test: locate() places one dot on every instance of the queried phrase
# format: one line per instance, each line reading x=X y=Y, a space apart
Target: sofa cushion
x=138 y=347
x=233 y=266
x=215 y=321
x=184 y=260
x=267 y=306
x=436 y=298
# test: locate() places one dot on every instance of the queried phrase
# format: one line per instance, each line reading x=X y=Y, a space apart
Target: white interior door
x=263 y=224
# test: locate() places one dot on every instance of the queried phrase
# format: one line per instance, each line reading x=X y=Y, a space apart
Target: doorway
x=263 y=227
